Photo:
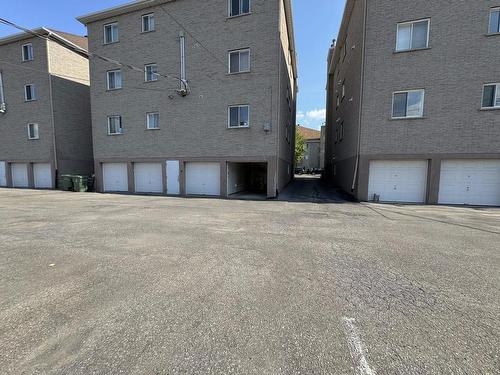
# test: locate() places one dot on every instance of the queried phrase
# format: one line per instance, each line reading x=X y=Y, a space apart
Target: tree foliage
x=300 y=146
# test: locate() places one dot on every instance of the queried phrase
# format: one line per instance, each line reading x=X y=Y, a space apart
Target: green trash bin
x=80 y=183
x=65 y=182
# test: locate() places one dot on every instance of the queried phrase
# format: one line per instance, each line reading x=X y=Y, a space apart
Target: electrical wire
x=192 y=36
x=91 y=54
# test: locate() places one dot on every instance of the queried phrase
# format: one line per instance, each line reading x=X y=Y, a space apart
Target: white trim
x=239 y=51
x=149 y=15
x=229 y=116
x=33 y=93
x=497 y=94
x=407 y=92
x=412 y=23
x=121 y=126
x=155 y=75
x=147 y=120
x=31 y=50
x=117 y=33
x=35 y=131
x=230 y=8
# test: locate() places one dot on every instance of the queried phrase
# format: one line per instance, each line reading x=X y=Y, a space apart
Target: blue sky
x=316 y=24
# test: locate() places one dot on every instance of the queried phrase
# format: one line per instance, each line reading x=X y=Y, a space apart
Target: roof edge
x=120 y=9
x=291 y=36
x=42 y=31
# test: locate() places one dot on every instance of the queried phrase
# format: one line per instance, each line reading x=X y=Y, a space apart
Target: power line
x=192 y=36
x=91 y=54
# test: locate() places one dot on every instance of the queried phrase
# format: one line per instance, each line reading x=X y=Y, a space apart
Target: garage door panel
x=3 y=173
x=148 y=178
x=42 y=173
x=398 y=180
x=115 y=177
x=472 y=182
x=19 y=175
x=203 y=178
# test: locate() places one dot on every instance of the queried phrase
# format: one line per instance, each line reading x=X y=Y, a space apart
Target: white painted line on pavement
x=357 y=348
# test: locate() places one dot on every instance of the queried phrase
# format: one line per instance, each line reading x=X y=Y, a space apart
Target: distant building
x=45 y=126
x=312 y=156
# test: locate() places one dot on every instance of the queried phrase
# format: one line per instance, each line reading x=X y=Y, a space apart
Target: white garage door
x=115 y=177
x=148 y=178
x=474 y=182
x=203 y=178
x=3 y=176
x=43 y=175
x=398 y=180
x=19 y=174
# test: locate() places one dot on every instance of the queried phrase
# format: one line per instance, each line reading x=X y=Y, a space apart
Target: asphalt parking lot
x=108 y=284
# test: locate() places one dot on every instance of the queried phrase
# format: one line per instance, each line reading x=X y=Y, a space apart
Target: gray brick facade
x=61 y=109
x=459 y=60
x=195 y=127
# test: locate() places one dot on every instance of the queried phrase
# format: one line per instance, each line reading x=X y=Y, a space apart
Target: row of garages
x=20 y=173
x=171 y=177
x=190 y=178
x=469 y=182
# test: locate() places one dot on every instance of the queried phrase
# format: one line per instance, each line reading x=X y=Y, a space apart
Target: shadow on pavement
x=312 y=189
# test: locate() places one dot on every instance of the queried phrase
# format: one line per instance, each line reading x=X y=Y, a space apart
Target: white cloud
x=317 y=114
x=312 y=119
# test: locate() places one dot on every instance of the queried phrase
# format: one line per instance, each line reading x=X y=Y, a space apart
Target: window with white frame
x=494 y=27
x=115 y=125
x=28 y=52
x=491 y=95
x=151 y=73
x=343 y=89
x=148 y=23
x=29 y=92
x=239 y=61
x=114 y=78
x=238 y=7
x=111 y=33
x=33 y=131
x=239 y=116
x=412 y=35
x=153 y=120
x=408 y=104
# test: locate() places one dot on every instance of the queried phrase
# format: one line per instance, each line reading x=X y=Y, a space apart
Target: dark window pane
x=233 y=117
x=399 y=107
x=109 y=36
x=234 y=62
x=245 y=6
x=243 y=116
x=420 y=32
x=495 y=21
x=235 y=7
x=489 y=96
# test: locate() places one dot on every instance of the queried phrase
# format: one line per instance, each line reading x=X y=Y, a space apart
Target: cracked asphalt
x=110 y=284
